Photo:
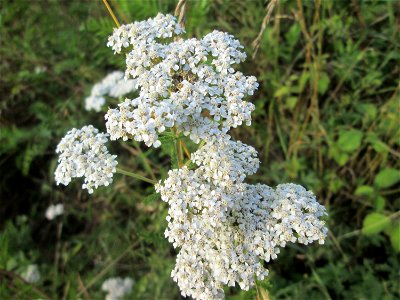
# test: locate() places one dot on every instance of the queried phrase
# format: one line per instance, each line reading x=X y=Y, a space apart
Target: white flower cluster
x=31 y=274
x=113 y=85
x=224 y=227
x=225 y=162
x=54 y=211
x=117 y=287
x=187 y=84
x=83 y=154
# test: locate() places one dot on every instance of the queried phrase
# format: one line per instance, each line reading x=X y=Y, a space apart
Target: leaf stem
x=137 y=176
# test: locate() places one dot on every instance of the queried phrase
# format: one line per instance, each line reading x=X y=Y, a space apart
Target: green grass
x=327 y=117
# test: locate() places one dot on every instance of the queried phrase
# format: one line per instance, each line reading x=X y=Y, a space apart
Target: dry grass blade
x=111 y=13
x=83 y=288
x=106 y=269
x=180 y=12
x=265 y=21
x=264 y=293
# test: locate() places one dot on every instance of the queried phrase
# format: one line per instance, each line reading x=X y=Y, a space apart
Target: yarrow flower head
x=187 y=84
x=225 y=228
x=117 y=287
x=54 y=211
x=83 y=154
x=31 y=274
x=113 y=85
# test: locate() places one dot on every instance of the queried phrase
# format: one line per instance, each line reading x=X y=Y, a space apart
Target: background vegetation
x=327 y=117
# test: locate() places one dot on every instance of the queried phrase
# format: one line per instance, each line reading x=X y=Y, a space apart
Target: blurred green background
x=327 y=117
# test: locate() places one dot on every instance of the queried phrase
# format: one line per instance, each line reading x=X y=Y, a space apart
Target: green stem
x=145 y=161
x=137 y=176
x=177 y=147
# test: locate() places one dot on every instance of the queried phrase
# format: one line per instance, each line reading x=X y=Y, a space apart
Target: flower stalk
x=137 y=176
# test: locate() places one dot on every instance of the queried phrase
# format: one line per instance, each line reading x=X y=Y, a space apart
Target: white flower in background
x=31 y=274
x=54 y=211
x=83 y=154
x=94 y=103
x=113 y=85
x=122 y=87
x=40 y=69
x=117 y=287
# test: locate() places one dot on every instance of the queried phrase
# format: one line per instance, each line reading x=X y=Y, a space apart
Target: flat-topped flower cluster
x=186 y=84
x=82 y=153
x=223 y=227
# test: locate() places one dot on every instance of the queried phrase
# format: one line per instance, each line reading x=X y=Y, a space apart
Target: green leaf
x=394 y=235
x=364 y=190
x=323 y=83
x=386 y=178
x=303 y=80
x=166 y=137
x=368 y=109
x=151 y=198
x=283 y=90
x=379 y=203
x=350 y=140
x=340 y=157
x=11 y=264
x=377 y=144
x=168 y=146
x=291 y=102
x=375 y=223
x=293 y=34
x=336 y=184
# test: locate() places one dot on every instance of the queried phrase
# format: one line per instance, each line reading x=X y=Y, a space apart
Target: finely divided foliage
x=223 y=227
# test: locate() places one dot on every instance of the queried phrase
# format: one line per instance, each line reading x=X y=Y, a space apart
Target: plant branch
x=137 y=176
x=265 y=21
